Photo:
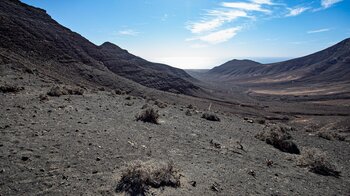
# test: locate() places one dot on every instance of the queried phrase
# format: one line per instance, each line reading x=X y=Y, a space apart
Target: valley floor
x=80 y=144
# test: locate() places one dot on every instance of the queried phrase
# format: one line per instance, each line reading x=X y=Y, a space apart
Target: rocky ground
x=81 y=144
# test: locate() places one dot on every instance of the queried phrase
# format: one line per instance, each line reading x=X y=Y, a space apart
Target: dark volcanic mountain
x=329 y=65
x=30 y=37
x=236 y=68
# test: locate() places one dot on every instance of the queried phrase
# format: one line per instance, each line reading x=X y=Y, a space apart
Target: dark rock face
x=33 y=35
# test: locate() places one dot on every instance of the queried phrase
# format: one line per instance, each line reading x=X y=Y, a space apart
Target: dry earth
x=80 y=144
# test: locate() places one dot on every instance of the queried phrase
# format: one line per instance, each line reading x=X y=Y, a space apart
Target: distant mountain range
x=29 y=37
x=329 y=65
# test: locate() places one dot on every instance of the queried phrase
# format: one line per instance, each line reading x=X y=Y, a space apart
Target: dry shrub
x=160 y=104
x=317 y=163
x=149 y=115
x=330 y=135
x=210 y=117
x=119 y=92
x=278 y=137
x=188 y=113
x=10 y=88
x=145 y=106
x=139 y=176
x=43 y=97
x=57 y=91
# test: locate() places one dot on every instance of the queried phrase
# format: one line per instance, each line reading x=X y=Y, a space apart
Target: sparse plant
x=119 y=92
x=149 y=115
x=317 y=163
x=188 y=113
x=190 y=107
x=43 y=97
x=10 y=88
x=330 y=135
x=145 y=106
x=139 y=176
x=210 y=117
x=278 y=137
x=160 y=104
x=58 y=91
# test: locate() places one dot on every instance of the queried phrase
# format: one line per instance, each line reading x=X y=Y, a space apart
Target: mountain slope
x=30 y=34
x=155 y=75
x=236 y=68
x=329 y=65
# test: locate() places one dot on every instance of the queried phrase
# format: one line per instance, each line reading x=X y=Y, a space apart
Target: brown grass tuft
x=139 y=176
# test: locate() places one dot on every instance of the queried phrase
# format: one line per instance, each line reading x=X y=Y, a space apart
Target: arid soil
x=81 y=144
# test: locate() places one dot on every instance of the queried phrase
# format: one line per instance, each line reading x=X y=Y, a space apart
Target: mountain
x=236 y=68
x=29 y=37
x=329 y=65
x=154 y=75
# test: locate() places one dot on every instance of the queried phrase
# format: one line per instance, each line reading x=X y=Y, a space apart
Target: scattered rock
x=43 y=97
x=252 y=173
x=215 y=187
x=215 y=143
x=24 y=158
x=193 y=183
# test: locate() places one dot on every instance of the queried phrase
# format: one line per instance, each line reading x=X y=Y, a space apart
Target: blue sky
x=205 y=33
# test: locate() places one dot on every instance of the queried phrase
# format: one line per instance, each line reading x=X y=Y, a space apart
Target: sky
x=201 y=34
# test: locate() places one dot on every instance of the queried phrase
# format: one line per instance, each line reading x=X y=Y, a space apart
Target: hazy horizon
x=202 y=34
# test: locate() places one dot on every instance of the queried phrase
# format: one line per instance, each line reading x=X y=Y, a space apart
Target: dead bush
x=317 y=163
x=188 y=113
x=119 y=92
x=160 y=104
x=139 y=176
x=58 y=91
x=149 y=115
x=10 y=88
x=75 y=91
x=278 y=137
x=145 y=106
x=43 y=97
x=330 y=135
x=210 y=117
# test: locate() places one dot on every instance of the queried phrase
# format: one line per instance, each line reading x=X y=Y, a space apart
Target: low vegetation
x=139 y=176
x=58 y=91
x=160 y=104
x=149 y=115
x=317 y=162
x=210 y=117
x=278 y=137
x=10 y=88
x=330 y=135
